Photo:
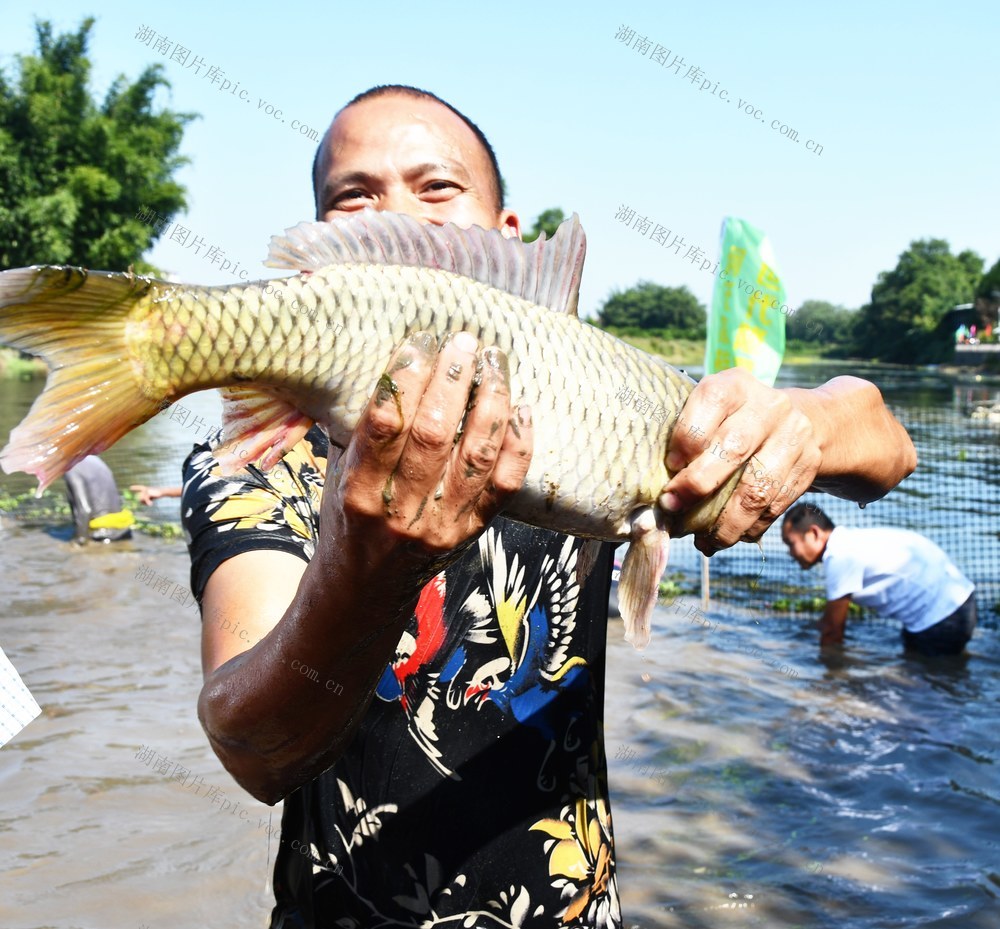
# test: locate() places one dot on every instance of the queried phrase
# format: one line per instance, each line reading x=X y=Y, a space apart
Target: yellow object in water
x=123 y=519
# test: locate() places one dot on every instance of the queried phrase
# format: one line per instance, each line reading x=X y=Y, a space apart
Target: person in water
x=147 y=494
x=95 y=503
x=423 y=684
x=897 y=573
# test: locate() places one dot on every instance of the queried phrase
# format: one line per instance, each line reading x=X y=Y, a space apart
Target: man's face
x=805 y=547
x=408 y=155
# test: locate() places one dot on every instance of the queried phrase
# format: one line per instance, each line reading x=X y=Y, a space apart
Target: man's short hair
x=803 y=515
x=386 y=90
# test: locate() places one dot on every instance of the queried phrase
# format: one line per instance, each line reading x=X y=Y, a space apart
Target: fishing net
x=953 y=498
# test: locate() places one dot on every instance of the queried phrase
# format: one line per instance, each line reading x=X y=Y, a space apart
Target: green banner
x=746 y=325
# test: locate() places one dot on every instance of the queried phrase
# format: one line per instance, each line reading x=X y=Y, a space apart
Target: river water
x=752 y=784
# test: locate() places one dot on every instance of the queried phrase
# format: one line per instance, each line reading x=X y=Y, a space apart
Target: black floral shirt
x=475 y=791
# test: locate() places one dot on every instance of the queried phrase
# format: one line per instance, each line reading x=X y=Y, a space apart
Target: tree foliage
x=901 y=323
x=988 y=294
x=651 y=306
x=821 y=323
x=73 y=174
x=547 y=221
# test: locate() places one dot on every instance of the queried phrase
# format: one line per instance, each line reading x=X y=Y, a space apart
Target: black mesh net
x=953 y=498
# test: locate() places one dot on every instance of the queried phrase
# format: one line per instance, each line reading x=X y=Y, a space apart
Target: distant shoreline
x=12 y=364
x=679 y=352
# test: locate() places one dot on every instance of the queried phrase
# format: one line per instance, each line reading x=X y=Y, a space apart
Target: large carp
x=311 y=348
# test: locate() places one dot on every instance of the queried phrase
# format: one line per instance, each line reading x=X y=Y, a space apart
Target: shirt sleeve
x=845 y=575
x=251 y=510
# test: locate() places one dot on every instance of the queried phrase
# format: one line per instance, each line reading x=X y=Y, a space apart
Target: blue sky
x=901 y=97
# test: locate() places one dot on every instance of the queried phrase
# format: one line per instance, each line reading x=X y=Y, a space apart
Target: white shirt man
x=895 y=572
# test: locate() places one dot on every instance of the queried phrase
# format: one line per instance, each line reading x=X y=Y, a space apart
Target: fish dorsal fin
x=546 y=272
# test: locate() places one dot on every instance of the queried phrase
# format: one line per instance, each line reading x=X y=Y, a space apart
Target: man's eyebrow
x=351 y=179
x=433 y=167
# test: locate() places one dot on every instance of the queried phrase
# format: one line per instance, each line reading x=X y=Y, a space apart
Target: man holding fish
x=456 y=774
x=468 y=771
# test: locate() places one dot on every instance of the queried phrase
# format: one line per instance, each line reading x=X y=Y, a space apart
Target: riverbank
x=691 y=352
x=679 y=352
x=13 y=364
x=682 y=353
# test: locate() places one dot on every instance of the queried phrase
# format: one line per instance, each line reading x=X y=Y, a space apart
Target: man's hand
x=425 y=471
x=838 y=438
x=148 y=494
x=428 y=466
x=730 y=419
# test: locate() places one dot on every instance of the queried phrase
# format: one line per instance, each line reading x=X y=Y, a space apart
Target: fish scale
x=588 y=492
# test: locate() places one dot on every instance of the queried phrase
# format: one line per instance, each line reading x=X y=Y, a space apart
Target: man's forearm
x=283 y=711
x=830 y=632
x=866 y=452
x=424 y=473
x=833 y=621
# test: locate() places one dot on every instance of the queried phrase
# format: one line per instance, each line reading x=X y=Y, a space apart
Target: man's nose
x=402 y=200
x=399 y=200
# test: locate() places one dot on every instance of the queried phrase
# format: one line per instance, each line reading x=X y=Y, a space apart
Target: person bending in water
x=95 y=502
x=898 y=573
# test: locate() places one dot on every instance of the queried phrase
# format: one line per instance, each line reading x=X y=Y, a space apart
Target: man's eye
x=347 y=197
x=441 y=187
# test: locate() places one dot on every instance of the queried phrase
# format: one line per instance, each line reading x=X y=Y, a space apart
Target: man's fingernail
x=670 y=502
x=524 y=414
x=496 y=360
x=425 y=341
x=466 y=342
x=675 y=461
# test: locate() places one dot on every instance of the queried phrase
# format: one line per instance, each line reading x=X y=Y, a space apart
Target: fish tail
x=77 y=321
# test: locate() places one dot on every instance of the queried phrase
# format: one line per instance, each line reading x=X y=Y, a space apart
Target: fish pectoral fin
x=590 y=550
x=639 y=584
x=256 y=425
x=546 y=272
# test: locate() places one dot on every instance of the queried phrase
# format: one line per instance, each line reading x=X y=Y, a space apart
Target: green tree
x=547 y=221
x=988 y=297
x=901 y=322
x=651 y=306
x=821 y=323
x=74 y=174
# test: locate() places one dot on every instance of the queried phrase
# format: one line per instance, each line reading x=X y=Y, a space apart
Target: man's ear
x=820 y=535
x=509 y=224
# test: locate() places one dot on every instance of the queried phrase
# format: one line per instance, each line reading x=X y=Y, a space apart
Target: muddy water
x=752 y=785
x=777 y=791
x=91 y=834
